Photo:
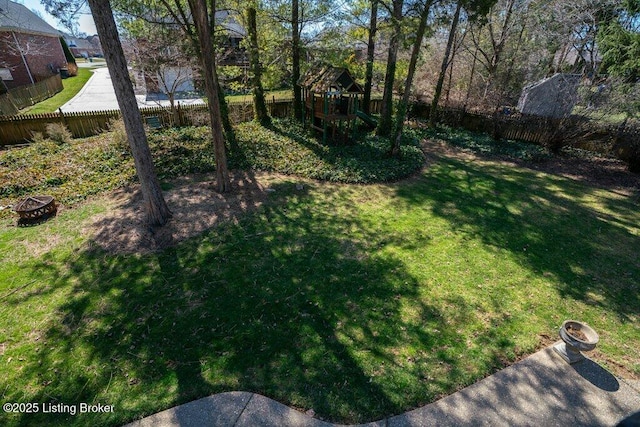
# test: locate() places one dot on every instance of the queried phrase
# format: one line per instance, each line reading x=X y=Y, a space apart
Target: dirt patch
x=195 y=204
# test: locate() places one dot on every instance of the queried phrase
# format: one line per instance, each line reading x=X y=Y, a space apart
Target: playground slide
x=366 y=118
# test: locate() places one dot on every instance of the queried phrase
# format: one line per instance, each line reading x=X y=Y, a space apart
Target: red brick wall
x=40 y=51
x=9 y=58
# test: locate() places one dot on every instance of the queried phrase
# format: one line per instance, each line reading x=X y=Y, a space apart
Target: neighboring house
x=30 y=49
x=169 y=72
x=233 y=54
x=84 y=47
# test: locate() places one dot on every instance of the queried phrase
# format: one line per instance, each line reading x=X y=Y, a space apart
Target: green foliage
x=69 y=172
x=232 y=79
x=180 y=151
x=619 y=41
x=620 y=48
x=288 y=148
x=79 y=168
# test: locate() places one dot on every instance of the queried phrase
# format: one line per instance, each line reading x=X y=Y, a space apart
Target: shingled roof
x=18 y=18
x=328 y=78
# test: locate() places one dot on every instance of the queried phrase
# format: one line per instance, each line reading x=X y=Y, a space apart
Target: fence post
x=64 y=122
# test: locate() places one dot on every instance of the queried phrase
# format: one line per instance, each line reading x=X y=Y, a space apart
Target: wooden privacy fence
x=20 y=129
x=25 y=96
x=577 y=132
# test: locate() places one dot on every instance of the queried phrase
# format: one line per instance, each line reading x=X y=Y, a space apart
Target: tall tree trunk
x=401 y=114
x=295 y=47
x=386 y=119
x=371 y=47
x=450 y=77
x=261 y=114
x=180 y=16
x=229 y=132
x=203 y=28
x=445 y=64
x=156 y=209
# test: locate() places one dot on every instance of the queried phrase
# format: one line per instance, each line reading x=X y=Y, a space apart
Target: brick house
x=84 y=47
x=30 y=49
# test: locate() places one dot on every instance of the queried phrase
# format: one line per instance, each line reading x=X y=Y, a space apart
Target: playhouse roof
x=328 y=78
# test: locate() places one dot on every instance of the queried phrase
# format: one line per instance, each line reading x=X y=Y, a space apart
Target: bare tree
x=445 y=64
x=157 y=211
x=295 y=59
x=162 y=60
x=176 y=13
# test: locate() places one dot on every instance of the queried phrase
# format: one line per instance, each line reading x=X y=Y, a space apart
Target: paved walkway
x=98 y=95
x=541 y=390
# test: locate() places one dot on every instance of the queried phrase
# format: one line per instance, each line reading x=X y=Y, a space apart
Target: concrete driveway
x=98 y=95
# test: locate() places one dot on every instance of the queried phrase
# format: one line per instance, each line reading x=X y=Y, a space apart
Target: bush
x=59 y=133
x=119 y=135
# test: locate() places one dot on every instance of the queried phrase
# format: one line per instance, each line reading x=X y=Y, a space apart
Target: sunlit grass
x=72 y=86
x=357 y=301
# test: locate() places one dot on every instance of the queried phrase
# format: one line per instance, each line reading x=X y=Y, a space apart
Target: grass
x=604 y=117
x=72 y=86
x=276 y=94
x=359 y=301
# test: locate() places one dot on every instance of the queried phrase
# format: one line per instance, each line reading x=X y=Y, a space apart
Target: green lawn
x=72 y=86
x=276 y=94
x=359 y=301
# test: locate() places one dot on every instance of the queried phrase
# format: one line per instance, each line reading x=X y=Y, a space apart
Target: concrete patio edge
x=540 y=390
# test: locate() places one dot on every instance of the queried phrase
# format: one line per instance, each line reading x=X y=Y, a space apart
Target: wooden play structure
x=332 y=98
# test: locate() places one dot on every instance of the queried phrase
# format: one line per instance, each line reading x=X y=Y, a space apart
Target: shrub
x=119 y=136
x=59 y=133
x=37 y=137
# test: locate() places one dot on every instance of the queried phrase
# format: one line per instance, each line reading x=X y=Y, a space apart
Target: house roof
x=18 y=18
x=329 y=78
x=226 y=20
x=79 y=43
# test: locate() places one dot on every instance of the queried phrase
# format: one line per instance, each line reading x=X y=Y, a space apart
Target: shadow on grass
x=298 y=301
x=546 y=223
x=288 y=302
